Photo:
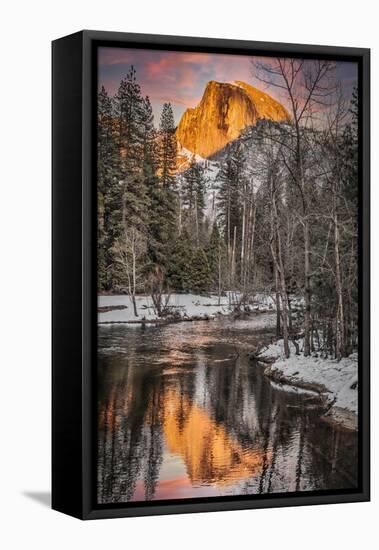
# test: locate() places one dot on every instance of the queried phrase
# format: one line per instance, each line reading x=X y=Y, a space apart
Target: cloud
x=180 y=77
x=114 y=56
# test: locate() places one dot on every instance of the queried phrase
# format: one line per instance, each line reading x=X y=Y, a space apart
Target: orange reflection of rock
x=176 y=356
x=211 y=455
x=175 y=342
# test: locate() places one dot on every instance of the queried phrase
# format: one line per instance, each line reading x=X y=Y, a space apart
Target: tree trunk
x=234 y=254
x=196 y=222
x=276 y=251
x=251 y=243
x=219 y=274
x=228 y=230
x=180 y=215
x=242 y=274
x=283 y=294
x=340 y=326
x=277 y=299
x=307 y=291
x=134 y=279
x=134 y=305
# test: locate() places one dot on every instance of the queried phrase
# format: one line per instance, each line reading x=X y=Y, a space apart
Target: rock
x=223 y=112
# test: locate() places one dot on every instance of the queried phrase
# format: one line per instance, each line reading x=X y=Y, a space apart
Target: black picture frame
x=74 y=273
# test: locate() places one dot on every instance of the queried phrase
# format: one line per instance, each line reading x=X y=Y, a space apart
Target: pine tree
x=129 y=198
x=104 y=134
x=108 y=188
x=231 y=182
x=166 y=199
x=105 y=141
x=216 y=255
x=160 y=202
x=156 y=238
x=148 y=142
x=179 y=263
x=200 y=273
x=168 y=147
x=132 y=128
x=129 y=109
x=193 y=197
x=228 y=200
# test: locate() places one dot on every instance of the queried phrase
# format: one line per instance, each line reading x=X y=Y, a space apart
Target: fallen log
x=266 y=360
x=256 y=355
x=105 y=309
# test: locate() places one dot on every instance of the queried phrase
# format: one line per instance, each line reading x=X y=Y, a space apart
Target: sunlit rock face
x=223 y=112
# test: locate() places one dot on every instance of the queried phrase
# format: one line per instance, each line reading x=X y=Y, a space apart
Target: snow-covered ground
x=185 y=305
x=336 y=381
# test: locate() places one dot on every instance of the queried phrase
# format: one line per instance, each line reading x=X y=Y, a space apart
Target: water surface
x=183 y=413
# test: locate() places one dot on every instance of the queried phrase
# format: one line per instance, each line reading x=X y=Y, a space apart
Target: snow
x=336 y=380
x=292 y=389
x=189 y=155
x=186 y=305
x=261 y=300
x=211 y=169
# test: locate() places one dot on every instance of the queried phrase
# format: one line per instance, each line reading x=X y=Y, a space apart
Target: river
x=183 y=413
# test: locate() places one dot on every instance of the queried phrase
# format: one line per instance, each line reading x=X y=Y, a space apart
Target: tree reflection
x=130 y=431
x=230 y=428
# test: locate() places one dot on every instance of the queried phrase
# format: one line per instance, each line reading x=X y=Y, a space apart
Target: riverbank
x=336 y=382
x=183 y=307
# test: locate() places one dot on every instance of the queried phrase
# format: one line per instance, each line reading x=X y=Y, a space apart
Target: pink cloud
x=115 y=56
x=180 y=77
x=194 y=57
x=176 y=67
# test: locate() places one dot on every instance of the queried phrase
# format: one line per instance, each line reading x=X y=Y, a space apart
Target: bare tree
x=248 y=233
x=129 y=251
x=159 y=292
x=277 y=255
x=331 y=170
x=307 y=86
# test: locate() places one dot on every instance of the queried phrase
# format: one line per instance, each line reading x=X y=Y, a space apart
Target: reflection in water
x=182 y=415
x=211 y=455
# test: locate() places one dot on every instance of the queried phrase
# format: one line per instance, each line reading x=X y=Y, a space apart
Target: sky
x=181 y=77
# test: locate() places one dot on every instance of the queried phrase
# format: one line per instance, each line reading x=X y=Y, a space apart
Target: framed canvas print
x=210 y=274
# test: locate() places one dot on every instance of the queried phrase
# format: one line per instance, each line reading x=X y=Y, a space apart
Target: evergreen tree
x=168 y=147
x=230 y=178
x=130 y=199
x=104 y=134
x=193 y=197
x=105 y=139
x=166 y=200
x=108 y=189
x=132 y=129
x=148 y=142
x=179 y=263
x=129 y=109
x=200 y=273
x=216 y=255
x=156 y=236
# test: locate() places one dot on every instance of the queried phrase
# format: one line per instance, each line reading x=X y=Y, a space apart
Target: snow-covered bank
x=185 y=306
x=335 y=381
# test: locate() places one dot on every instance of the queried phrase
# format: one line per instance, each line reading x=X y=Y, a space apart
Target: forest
x=279 y=215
